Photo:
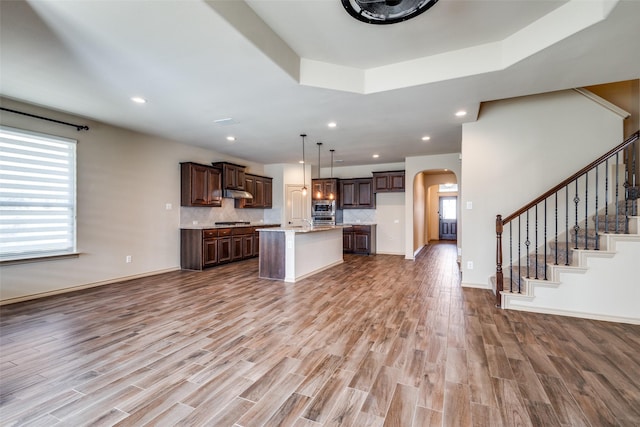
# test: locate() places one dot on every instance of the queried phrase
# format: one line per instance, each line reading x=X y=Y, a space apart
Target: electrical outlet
x=469 y=265
x=127 y=259
x=168 y=206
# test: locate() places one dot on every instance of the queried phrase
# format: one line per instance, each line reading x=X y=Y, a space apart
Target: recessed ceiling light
x=138 y=100
x=301 y=162
x=375 y=156
x=461 y=113
x=332 y=124
x=231 y=138
x=426 y=138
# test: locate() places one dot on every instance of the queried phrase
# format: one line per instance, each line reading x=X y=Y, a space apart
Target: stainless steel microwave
x=323 y=207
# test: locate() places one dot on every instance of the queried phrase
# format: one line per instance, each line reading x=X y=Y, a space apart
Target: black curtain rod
x=78 y=127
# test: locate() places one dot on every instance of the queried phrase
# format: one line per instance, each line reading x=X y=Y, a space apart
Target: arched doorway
x=429 y=189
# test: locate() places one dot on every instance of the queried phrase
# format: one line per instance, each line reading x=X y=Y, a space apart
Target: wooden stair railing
x=629 y=153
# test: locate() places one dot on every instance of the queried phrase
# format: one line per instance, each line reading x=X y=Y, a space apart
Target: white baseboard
x=569 y=313
x=85 y=286
x=475 y=285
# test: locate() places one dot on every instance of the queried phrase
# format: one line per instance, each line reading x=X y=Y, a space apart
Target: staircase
x=566 y=253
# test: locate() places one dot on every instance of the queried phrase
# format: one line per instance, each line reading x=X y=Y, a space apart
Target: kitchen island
x=294 y=253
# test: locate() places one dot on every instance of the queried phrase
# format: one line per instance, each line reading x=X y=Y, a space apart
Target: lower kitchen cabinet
x=203 y=248
x=359 y=239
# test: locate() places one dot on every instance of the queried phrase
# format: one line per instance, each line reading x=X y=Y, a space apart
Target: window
x=37 y=195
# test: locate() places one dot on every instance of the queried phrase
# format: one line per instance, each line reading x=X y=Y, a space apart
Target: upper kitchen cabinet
x=260 y=187
x=387 y=182
x=200 y=185
x=232 y=175
x=324 y=189
x=357 y=193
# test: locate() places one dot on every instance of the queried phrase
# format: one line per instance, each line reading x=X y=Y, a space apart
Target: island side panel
x=316 y=251
x=272 y=255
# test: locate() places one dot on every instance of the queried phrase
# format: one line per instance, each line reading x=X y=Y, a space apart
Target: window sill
x=42 y=258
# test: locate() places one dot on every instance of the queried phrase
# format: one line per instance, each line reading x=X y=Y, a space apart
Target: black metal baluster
x=556 y=238
x=545 y=239
x=527 y=243
x=576 y=200
x=566 y=223
x=597 y=220
x=519 y=250
x=536 y=247
x=606 y=195
x=586 y=210
x=617 y=185
x=510 y=256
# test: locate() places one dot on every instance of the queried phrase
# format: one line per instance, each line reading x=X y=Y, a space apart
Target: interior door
x=297 y=207
x=448 y=218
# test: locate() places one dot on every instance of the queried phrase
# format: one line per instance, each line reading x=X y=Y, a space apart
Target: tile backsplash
x=228 y=212
x=358 y=215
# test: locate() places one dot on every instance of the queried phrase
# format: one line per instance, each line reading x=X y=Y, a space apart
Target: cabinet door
x=361 y=242
x=214 y=187
x=247 y=246
x=381 y=183
x=329 y=188
x=258 y=194
x=347 y=241
x=209 y=252
x=396 y=182
x=199 y=180
x=224 y=249
x=317 y=189
x=348 y=194
x=240 y=178
x=236 y=248
x=250 y=187
x=256 y=244
x=230 y=176
x=365 y=194
x=268 y=193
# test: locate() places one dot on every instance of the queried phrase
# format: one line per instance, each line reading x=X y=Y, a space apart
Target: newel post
x=499 y=278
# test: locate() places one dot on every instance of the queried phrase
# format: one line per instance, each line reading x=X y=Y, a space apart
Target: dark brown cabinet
x=261 y=188
x=200 y=185
x=324 y=189
x=357 y=193
x=232 y=175
x=387 y=182
x=359 y=239
x=203 y=248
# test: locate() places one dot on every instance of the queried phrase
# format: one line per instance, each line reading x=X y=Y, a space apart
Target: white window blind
x=37 y=194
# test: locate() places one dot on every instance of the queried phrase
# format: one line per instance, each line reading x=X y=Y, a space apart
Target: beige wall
x=518 y=149
x=125 y=179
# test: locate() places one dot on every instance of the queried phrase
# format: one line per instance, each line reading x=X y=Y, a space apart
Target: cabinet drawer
x=206 y=234
x=243 y=230
x=362 y=228
x=224 y=232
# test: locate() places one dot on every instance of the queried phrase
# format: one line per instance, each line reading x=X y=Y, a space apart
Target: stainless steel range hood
x=237 y=194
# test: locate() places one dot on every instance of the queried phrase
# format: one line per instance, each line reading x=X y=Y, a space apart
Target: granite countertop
x=357 y=223
x=210 y=226
x=303 y=229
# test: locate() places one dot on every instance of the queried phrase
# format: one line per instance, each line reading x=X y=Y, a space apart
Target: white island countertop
x=303 y=228
x=294 y=253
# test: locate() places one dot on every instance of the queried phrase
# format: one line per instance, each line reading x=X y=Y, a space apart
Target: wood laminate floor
x=376 y=341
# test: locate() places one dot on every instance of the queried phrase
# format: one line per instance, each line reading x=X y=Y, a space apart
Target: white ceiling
x=280 y=68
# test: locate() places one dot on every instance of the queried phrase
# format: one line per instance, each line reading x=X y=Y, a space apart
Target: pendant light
x=319 y=193
x=331 y=195
x=304 y=176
